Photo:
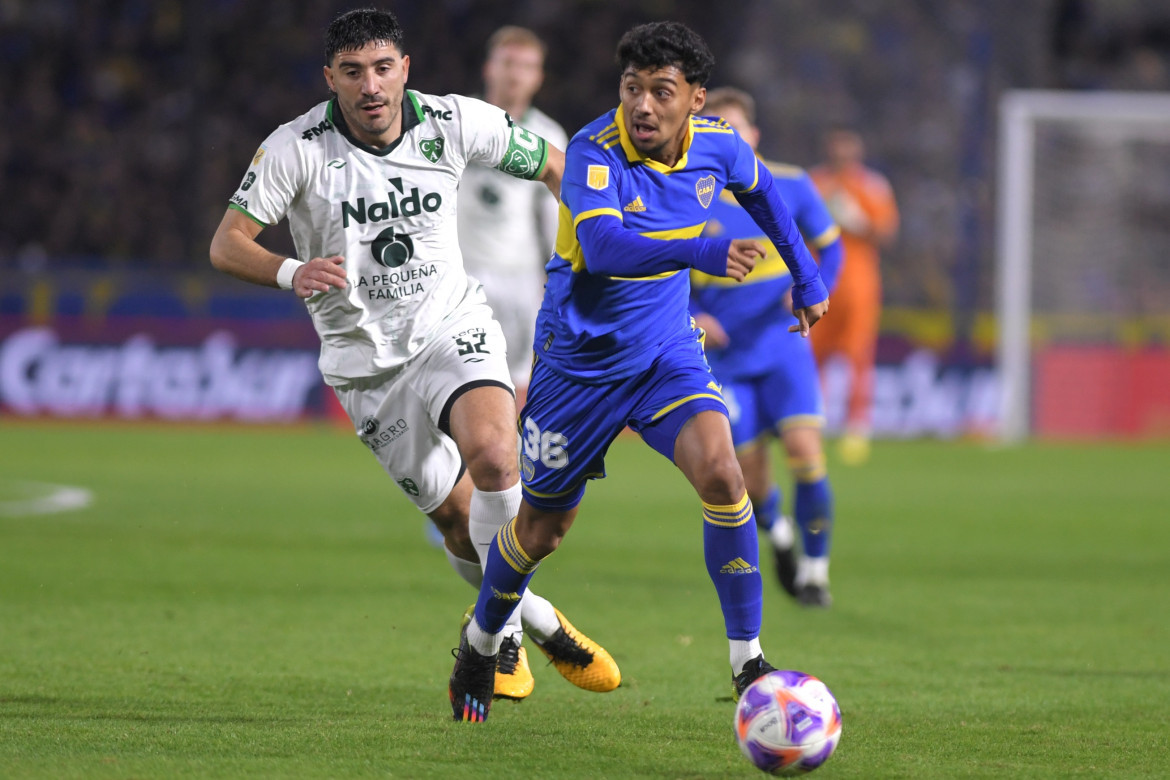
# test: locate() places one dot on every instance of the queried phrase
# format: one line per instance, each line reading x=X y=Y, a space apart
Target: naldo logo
x=392 y=249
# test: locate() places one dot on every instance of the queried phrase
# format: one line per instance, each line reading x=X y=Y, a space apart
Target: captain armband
x=526 y=155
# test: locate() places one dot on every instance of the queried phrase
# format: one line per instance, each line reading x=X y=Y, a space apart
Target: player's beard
x=374 y=128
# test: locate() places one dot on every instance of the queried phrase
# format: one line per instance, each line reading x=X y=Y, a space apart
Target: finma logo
x=428 y=111
x=318 y=131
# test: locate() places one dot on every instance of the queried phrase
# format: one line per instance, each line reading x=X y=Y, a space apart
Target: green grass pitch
x=263 y=603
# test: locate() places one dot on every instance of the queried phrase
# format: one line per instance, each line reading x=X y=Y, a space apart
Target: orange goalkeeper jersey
x=862 y=199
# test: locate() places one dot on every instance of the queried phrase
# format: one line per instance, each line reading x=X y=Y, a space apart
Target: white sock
x=742 y=651
x=781 y=533
x=483 y=642
x=470 y=571
x=539 y=617
x=489 y=511
x=812 y=571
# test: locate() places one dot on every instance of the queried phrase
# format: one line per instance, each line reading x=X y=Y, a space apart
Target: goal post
x=1082 y=178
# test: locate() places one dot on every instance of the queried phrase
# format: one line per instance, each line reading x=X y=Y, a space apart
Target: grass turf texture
x=263 y=603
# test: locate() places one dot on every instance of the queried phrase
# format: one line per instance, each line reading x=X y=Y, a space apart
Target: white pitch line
x=46 y=499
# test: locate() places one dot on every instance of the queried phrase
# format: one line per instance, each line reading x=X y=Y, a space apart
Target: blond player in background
x=507 y=225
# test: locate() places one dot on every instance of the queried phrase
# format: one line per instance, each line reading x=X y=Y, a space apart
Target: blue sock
x=733 y=561
x=505 y=578
x=814 y=516
x=768 y=511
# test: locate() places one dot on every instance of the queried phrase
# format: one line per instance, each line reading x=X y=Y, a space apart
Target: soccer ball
x=787 y=723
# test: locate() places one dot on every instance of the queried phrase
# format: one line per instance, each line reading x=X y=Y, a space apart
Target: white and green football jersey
x=389 y=212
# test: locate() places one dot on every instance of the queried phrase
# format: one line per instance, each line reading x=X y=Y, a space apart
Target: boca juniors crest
x=705 y=189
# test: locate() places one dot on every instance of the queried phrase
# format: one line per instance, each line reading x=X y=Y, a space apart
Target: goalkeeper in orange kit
x=862 y=204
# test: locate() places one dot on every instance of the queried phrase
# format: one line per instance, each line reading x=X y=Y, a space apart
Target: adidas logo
x=635 y=205
x=505 y=596
x=737 y=566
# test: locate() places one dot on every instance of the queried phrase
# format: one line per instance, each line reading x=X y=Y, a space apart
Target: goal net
x=1083 y=278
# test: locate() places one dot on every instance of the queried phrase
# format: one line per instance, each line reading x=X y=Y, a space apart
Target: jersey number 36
x=547 y=447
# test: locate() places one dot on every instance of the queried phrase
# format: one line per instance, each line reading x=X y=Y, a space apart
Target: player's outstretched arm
x=765 y=205
x=611 y=249
x=554 y=169
x=234 y=251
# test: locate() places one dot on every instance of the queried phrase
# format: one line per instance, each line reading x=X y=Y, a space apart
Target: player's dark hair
x=354 y=29
x=662 y=44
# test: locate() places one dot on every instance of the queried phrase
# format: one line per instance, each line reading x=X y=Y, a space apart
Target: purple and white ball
x=787 y=723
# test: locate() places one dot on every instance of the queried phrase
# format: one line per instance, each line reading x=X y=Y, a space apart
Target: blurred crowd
x=129 y=122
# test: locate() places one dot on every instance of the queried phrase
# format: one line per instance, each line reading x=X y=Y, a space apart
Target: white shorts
x=400 y=415
x=515 y=297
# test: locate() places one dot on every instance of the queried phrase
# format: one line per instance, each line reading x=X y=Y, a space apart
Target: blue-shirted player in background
x=615 y=344
x=769 y=375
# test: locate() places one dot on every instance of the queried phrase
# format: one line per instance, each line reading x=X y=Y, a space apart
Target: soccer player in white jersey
x=368 y=183
x=506 y=225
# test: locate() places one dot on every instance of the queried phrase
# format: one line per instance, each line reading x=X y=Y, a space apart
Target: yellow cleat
x=514 y=678
x=579 y=659
x=853 y=449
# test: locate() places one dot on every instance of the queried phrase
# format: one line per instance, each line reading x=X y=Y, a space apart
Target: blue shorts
x=566 y=426
x=787 y=396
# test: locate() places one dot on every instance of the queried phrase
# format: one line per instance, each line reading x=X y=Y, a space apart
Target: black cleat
x=810 y=595
x=786 y=569
x=472 y=683
x=752 y=671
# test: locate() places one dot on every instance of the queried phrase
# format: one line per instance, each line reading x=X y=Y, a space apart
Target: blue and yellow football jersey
x=607 y=318
x=752 y=313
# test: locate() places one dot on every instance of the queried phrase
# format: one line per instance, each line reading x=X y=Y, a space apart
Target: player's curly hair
x=661 y=44
x=354 y=29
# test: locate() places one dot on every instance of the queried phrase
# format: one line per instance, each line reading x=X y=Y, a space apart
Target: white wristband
x=284 y=277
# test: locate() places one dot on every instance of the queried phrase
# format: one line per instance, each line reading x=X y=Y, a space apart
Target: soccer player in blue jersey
x=615 y=344
x=769 y=375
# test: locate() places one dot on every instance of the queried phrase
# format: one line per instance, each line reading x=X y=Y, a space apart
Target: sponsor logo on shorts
x=408 y=486
x=376 y=436
x=369 y=425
